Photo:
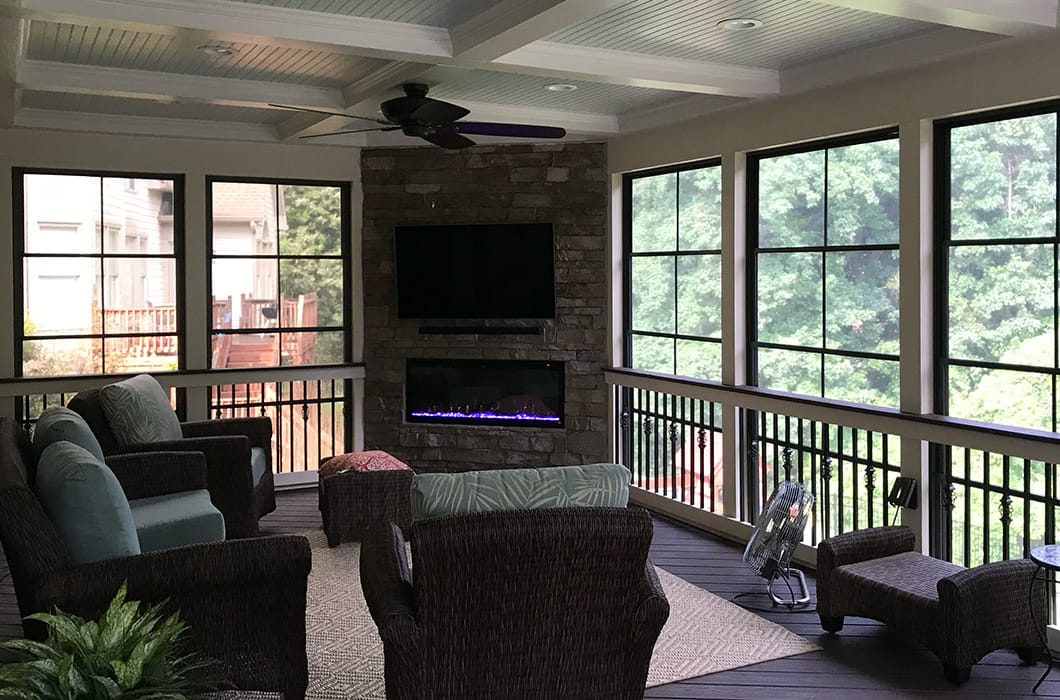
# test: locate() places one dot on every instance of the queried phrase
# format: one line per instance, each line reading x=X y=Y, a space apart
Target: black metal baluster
x=841 y=486
x=1006 y=508
x=826 y=478
x=710 y=466
x=1027 y=505
x=967 y=493
x=814 y=459
x=886 y=460
x=685 y=497
x=986 y=507
x=305 y=426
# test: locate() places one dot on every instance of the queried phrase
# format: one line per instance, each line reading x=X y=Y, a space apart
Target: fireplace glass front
x=484 y=392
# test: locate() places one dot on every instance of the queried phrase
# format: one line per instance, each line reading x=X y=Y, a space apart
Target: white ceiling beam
x=512 y=24
x=225 y=20
x=140 y=84
x=906 y=53
x=585 y=123
x=150 y=126
x=1005 y=17
x=624 y=68
x=12 y=49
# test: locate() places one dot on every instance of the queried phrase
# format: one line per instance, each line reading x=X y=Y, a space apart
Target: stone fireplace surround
x=564 y=184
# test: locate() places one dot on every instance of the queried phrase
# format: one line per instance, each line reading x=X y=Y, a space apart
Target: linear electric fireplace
x=484 y=392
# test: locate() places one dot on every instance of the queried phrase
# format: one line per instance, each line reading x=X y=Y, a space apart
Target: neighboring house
x=63 y=216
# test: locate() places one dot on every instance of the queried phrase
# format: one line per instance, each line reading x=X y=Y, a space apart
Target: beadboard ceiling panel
x=435 y=13
x=97 y=104
x=119 y=48
x=529 y=90
x=793 y=31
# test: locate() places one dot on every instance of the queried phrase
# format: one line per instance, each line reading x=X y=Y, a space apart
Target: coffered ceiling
x=153 y=66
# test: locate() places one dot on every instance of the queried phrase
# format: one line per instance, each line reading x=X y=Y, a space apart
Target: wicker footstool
x=358 y=489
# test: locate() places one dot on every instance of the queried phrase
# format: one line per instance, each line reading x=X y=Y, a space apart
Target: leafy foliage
x=314 y=227
x=126 y=655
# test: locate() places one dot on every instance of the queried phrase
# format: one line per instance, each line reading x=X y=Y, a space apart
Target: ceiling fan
x=432 y=120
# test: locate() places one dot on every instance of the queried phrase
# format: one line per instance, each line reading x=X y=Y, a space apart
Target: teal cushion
x=434 y=495
x=138 y=411
x=83 y=498
x=259 y=464
x=60 y=423
x=176 y=520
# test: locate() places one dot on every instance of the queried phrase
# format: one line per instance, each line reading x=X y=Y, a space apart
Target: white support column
x=916 y=258
x=355 y=302
x=197 y=317
x=7 y=307
x=733 y=316
x=615 y=310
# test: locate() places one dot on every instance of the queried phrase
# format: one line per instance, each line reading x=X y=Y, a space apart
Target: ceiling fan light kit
x=434 y=121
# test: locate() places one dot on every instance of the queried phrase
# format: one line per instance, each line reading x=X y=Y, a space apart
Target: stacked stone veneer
x=563 y=184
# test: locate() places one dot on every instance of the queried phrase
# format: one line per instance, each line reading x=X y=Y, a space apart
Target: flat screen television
x=475 y=271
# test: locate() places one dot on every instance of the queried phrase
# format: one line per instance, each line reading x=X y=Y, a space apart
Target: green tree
x=314 y=227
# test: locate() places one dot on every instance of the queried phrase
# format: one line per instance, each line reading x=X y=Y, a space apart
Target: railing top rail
x=26 y=386
x=930 y=427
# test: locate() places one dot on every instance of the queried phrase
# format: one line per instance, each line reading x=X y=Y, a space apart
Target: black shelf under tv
x=480 y=330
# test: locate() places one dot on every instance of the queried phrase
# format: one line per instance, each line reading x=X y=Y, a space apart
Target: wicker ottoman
x=361 y=488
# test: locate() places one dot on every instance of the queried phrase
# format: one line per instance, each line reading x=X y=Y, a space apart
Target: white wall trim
x=149 y=126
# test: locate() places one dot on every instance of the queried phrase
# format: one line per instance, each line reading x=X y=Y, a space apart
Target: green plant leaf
x=31 y=649
x=107 y=687
x=19 y=694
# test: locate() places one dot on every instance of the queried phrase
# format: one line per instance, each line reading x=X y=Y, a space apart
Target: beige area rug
x=704 y=634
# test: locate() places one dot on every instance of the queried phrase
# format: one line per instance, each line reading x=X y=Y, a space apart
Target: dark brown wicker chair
x=226 y=444
x=244 y=600
x=959 y=614
x=532 y=604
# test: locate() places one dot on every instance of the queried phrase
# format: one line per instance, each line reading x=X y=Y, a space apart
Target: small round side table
x=1046 y=557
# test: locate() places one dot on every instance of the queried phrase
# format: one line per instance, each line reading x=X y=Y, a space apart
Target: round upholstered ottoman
x=358 y=489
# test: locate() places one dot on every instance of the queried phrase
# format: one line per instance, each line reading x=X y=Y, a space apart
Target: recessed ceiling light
x=738 y=23
x=217 y=50
x=561 y=87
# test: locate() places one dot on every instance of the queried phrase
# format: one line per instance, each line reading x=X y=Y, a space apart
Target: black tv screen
x=475 y=271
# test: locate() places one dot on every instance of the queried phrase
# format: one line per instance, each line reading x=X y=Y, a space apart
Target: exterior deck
x=866 y=659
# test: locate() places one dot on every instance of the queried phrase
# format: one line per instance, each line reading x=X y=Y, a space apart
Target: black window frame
x=18 y=175
x=345 y=256
x=628 y=255
x=753 y=251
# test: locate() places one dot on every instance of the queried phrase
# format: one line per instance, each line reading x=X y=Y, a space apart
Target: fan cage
x=779 y=529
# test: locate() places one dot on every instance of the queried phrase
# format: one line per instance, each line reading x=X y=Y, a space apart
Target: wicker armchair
x=959 y=614
x=558 y=603
x=226 y=444
x=243 y=600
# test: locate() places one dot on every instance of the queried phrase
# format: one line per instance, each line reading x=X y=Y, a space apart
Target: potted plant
x=128 y=654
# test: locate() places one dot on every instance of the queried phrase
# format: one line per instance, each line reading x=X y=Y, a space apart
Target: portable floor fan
x=775 y=537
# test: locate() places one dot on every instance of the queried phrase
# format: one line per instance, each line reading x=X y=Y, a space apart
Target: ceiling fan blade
x=350 y=131
x=323 y=111
x=438 y=112
x=448 y=139
x=528 y=131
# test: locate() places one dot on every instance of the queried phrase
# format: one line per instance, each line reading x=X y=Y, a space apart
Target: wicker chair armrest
x=990 y=607
x=651 y=614
x=385 y=574
x=147 y=474
x=228 y=475
x=387 y=584
x=183 y=574
x=863 y=545
x=257 y=430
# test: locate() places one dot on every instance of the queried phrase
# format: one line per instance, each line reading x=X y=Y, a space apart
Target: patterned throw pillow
x=599 y=485
x=138 y=411
x=60 y=423
x=367 y=461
